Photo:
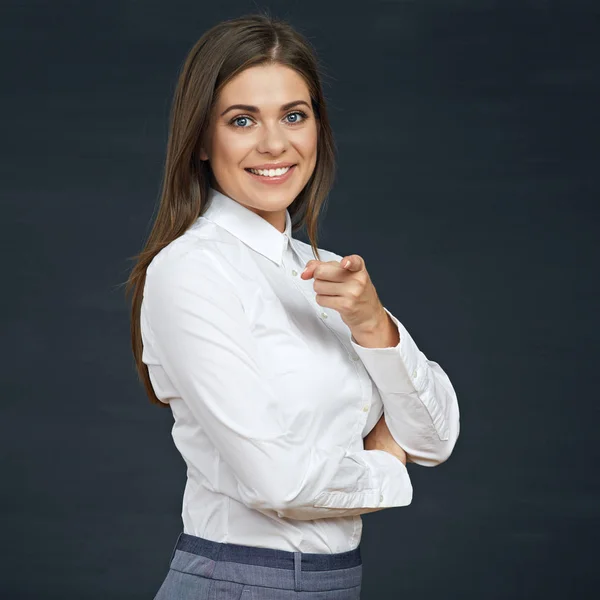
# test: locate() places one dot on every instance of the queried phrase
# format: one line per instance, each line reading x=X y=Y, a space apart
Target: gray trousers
x=201 y=569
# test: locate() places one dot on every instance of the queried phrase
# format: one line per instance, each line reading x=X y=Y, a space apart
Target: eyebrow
x=255 y=109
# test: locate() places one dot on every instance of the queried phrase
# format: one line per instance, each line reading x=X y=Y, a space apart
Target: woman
x=277 y=360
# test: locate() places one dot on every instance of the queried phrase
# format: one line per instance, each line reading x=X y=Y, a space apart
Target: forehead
x=264 y=86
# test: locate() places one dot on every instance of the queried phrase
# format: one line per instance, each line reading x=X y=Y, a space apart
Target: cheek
x=307 y=142
x=229 y=149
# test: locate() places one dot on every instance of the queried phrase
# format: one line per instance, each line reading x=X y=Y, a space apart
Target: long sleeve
x=202 y=337
x=420 y=404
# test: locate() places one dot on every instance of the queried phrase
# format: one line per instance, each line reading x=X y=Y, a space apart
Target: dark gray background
x=468 y=153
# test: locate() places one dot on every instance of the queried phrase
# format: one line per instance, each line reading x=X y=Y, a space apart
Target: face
x=263 y=119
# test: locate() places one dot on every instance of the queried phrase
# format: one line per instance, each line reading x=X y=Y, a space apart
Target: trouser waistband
x=267 y=557
x=267 y=567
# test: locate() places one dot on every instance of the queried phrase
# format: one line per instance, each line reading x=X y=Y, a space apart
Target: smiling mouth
x=270 y=172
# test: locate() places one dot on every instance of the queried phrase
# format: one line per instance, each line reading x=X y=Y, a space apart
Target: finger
x=327 y=273
x=311 y=265
x=353 y=262
x=330 y=288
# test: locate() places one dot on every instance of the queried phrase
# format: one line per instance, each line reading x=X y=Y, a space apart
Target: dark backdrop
x=468 y=154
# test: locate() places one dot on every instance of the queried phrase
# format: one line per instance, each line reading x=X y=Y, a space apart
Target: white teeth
x=270 y=172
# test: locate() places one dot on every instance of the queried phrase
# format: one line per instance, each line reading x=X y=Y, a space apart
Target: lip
x=281 y=165
x=272 y=180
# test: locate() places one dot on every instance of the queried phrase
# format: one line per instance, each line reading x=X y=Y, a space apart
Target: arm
x=420 y=404
x=202 y=337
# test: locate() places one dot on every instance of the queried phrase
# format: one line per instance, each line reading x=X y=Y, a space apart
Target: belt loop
x=297 y=571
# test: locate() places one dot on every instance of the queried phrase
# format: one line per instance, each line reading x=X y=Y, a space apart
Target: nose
x=273 y=139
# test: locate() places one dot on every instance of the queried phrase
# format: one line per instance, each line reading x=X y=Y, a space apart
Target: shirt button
x=414 y=374
x=354 y=356
x=324 y=315
x=294 y=272
x=381 y=498
x=365 y=409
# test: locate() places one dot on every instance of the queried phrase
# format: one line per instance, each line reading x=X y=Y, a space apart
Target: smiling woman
x=297 y=397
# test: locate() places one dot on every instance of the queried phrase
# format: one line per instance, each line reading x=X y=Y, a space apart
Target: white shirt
x=271 y=395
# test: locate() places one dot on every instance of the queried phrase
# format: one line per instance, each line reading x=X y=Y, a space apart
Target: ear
x=203 y=154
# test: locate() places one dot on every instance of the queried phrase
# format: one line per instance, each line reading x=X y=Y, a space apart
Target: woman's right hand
x=380 y=438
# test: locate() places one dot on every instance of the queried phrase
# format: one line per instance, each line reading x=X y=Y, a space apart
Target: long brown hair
x=219 y=55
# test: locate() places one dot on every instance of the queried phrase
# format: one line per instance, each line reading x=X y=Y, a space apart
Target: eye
x=243 y=121
x=240 y=118
x=302 y=114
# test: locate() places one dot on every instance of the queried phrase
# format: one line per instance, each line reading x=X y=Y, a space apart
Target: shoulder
x=204 y=252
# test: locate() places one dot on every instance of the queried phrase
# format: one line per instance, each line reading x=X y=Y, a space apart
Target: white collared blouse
x=271 y=395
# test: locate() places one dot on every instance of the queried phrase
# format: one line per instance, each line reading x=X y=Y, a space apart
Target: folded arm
x=420 y=404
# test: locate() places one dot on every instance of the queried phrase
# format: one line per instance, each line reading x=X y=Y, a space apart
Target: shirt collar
x=247 y=226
